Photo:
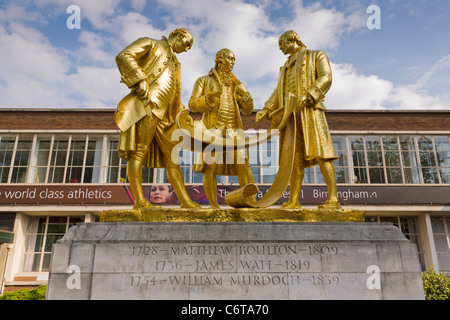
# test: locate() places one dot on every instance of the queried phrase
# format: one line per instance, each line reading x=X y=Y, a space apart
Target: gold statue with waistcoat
x=306 y=76
x=221 y=98
x=146 y=116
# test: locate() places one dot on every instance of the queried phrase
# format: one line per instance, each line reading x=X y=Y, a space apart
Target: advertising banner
x=73 y=194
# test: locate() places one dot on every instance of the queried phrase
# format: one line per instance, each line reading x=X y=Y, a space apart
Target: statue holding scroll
x=150 y=115
x=306 y=76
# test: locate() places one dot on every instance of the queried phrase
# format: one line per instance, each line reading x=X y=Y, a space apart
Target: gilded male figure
x=146 y=116
x=221 y=97
x=307 y=75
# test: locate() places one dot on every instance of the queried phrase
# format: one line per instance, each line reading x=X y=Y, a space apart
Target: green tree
x=436 y=285
x=24 y=294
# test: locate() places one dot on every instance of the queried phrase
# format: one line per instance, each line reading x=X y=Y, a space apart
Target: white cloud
x=351 y=90
x=35 y=73
x=99 y=13
x=238 y=26
x=429 y=91
x=322 y=28
x=138 y=5
x=13 y=11
x=247 y=30
x=93 y=48
x=25 y=51
x=439 y=66
x=31 y=70
x=133 y=25
x=98 y=87
x=408 y=97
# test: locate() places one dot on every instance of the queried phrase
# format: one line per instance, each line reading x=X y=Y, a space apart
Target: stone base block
x=234 y=261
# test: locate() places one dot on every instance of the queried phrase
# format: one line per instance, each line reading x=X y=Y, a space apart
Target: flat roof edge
x=255 y=110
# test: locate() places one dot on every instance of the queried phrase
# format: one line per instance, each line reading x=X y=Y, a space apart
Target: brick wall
x=18 y=287
x=85 y=119
x=376 y=121
x=27 y=119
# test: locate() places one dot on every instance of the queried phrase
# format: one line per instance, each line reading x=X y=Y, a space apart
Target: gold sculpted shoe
x=291 y=205
x=190 y=205
x=144 y=204
x=331 y=205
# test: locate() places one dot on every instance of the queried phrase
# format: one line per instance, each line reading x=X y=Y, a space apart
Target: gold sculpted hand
x=211 y=99
x=304 y=101
x=142 y=90
x=261 y=115
x=241 y=93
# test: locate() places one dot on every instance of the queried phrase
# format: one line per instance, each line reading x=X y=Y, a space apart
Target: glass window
x=7 y=221
x=443 y=157
x=185 y=164
x=374 y=159
x=269 y=174
x=84 y=160
x=359 y=159
x=197 y=177
x=269 y=159
x=391 y=149
x=255 y=163
x=20 y=151
x=147 y=175
x=6 y=152
x=92 y=165
x=58 y=155
x=161 y=176
x=21 y=161
x=392 y=159
x=41 y=234
x=409 y=158
x=309 y=175
x=42 y=153
x=76 y=161
x=341 y=164
x=427 y=160
x=113 y=169
x=441 y=231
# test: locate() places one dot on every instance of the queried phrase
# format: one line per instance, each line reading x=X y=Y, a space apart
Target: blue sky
x=403 y=65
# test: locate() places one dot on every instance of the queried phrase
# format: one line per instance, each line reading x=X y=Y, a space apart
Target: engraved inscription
x=231 y=280
x=172 y=266
x=254 y=264
x=234 y=257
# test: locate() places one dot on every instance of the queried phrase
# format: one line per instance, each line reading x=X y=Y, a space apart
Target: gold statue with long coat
x=146 y=116
x=221 y=97
x=307 y=76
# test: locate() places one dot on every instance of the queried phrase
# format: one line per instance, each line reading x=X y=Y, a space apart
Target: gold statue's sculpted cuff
x=132 y=77
x=198 y=105
x=244 y=97
x=316 y=94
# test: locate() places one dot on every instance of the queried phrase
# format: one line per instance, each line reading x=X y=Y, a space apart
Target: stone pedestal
x=234 y=260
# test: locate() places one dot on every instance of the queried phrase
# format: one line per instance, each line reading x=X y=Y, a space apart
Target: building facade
x=61 y=166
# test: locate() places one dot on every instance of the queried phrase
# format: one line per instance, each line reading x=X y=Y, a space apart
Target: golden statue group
x=153 y=111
